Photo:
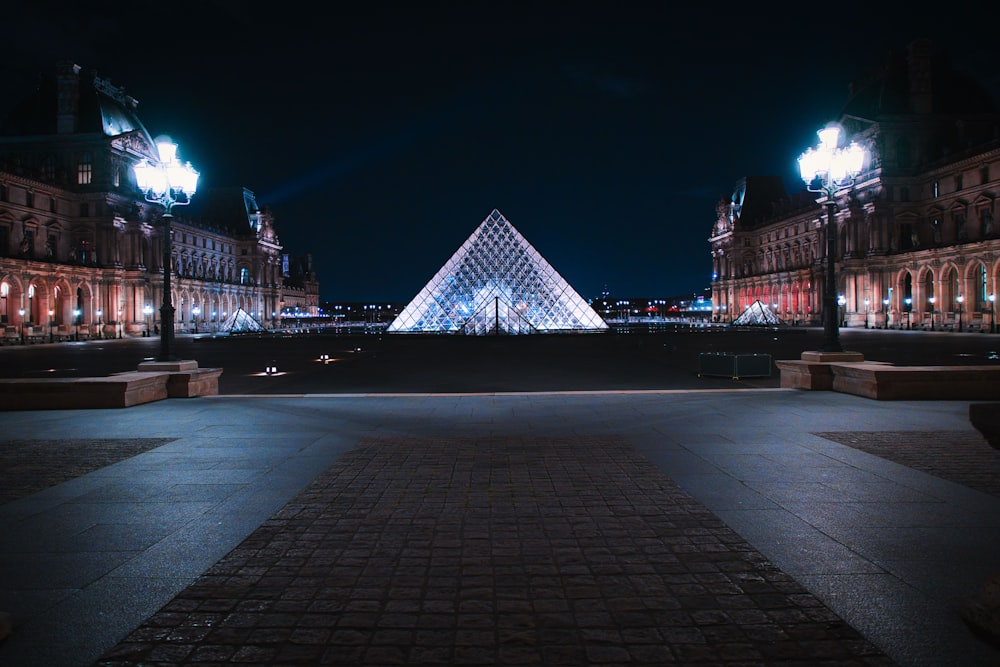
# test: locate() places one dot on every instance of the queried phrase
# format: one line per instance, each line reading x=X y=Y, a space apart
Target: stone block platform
x=120 y=390
x=884 y=381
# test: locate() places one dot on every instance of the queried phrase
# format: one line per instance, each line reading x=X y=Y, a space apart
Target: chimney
x=67 y=97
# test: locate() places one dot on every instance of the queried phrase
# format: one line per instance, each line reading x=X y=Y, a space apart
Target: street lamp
x=20 y=312
x=52 y=324
x=993 y=312
x=194 y=316
x=148 y=310
x=885 y=309
x=933 y=311
x=167 y=183
x=841 y=302
x=99 y=327
x=76 y=319
x=908 y=301
x=960 y=299
x=827 y=170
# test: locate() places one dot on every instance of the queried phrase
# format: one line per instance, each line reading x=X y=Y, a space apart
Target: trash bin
x=735 y=366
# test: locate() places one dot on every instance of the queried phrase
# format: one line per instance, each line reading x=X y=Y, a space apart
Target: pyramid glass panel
x=497 y=283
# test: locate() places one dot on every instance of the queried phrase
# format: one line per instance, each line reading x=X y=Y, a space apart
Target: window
x=958 y=182
x=984 y=175
x=28 y=243
x=4 y=293
x=906 y=236
x=29 y=199
x=985 y=221
x=982 y=296
x=85 y=170
x=904 y=194
x=244 y=276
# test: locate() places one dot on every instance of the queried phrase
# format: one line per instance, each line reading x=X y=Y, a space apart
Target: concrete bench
x=885 y=382
x=120 y=390
x=117 y=391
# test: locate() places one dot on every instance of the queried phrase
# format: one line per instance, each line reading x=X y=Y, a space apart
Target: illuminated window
x=85 y=170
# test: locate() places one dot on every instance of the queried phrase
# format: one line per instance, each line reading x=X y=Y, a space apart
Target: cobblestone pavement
x=510 y=551
x=528 y=551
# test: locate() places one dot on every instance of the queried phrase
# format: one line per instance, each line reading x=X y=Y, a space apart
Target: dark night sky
x=382 y=134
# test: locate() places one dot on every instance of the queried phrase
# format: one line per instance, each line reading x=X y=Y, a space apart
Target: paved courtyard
x=641 y=527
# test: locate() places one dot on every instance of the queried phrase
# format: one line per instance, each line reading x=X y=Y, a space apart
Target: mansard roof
x=70 y=102
x=919 y=80
x=232 y=209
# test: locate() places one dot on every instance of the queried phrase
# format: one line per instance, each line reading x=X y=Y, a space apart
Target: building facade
x=918 y=245
x=81 y=250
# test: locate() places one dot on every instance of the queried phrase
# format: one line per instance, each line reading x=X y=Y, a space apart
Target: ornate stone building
x=918 y=241
x=81 y=249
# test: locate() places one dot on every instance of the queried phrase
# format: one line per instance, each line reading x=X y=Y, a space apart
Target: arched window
x=244 y=276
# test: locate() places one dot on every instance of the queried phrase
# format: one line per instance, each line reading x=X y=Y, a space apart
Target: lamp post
x=828 y=169
x=76 y=319
x=148 y=310
x=20 y=312
x=866 y=313
x=960 y=299
x=167 y=183
x=52 y=324
x=993 y=312
x=100 y=329
x=194 y=316
x=841 y=302
x=933 y=311
x=885 y=308
x=908 y=301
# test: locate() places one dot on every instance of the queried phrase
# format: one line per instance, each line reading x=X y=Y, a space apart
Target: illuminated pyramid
x=497 y=283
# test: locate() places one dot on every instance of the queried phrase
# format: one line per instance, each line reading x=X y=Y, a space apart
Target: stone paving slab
x=29 y=466
x=494 y=551
x=958 y=456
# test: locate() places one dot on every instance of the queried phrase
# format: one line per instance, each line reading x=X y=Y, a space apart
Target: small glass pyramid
x=496 y=283
x=241 y=322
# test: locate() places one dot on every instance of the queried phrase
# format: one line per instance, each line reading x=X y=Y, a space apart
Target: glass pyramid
x=497 y=283
x=241 y=322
